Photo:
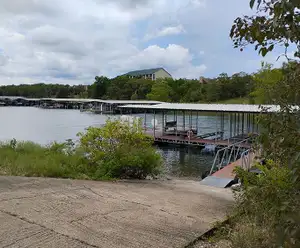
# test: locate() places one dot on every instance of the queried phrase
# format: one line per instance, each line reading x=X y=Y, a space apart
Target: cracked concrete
x=43 y=212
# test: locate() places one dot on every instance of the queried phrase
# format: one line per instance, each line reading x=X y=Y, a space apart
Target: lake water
x=44 y=126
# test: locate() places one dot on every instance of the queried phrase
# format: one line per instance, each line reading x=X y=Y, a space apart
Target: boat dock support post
x=230 y=125
x=163 y=122
x=154 y=126
x=222 y=125
x=183 y=116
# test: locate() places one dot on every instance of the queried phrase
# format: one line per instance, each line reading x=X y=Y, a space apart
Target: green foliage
x=125 y=88
x=44 y=90
x=265 y=80
x=268 y=206
x=277 y=23
x=263 y=205
x=120 y=149
x=160 y=91
x=269 y=203
x=30 y=159
x=100 y=87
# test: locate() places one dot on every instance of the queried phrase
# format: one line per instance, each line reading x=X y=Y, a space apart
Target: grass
x=33 y=160
x=65 y=160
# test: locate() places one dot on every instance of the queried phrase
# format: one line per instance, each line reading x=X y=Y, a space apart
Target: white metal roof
x=242 y=108
x=70 y=100
x=130 y=102
x=12 y=97
x=100 y=101
x=82 y=100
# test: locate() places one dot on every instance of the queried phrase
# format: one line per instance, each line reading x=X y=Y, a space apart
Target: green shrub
x=120 y=150
x=265 y=208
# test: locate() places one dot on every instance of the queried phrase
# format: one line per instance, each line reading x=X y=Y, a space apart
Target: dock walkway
x=194 y=141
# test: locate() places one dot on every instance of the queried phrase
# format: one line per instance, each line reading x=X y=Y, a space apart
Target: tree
x=276 y=23
x=265 y=80
x=213 y=91
x=119 y=88
x=100 y=86
x=160 y=91
x=178 y=87
x=273 y=199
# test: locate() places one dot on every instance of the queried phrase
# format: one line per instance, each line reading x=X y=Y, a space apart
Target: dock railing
x=228 y=154
x=247 y=159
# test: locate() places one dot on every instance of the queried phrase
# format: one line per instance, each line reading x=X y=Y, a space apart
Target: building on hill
x=203 y=80
x=151 y=74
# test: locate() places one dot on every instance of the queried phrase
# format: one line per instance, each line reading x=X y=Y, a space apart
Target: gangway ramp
x=225 y=177
x=222 y=178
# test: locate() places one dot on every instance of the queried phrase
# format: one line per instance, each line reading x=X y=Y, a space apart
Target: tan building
x=203 y=80
x=151 y=74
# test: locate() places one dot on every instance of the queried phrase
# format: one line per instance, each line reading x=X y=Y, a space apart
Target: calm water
x=44 y=126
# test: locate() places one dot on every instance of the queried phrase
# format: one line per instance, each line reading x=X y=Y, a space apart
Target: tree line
x=222 y=88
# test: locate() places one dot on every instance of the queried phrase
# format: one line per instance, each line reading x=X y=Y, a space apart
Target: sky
x=72 y=41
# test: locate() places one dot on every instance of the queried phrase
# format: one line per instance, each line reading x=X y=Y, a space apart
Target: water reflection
x=189 y=162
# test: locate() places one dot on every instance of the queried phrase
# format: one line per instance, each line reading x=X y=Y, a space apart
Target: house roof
x=143 y=72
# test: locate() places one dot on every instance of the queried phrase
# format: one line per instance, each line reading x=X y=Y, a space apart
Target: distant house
x=203 y=80
x=151 y=74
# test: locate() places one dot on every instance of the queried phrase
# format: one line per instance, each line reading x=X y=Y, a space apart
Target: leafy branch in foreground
x=276 y=22
x=268 y=205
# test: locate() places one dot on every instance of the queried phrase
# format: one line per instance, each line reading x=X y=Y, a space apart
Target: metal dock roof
x=242 y=108
x=100 y=101
x=80 y=100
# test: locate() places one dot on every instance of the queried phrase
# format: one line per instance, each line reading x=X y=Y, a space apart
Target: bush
x=266 y=207
x=120 y=150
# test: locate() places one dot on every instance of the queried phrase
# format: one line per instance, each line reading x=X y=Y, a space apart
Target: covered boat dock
x=97 y=106
x=230 y=137
x=175 y=123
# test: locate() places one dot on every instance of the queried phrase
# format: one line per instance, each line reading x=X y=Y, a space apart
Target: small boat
x=209 y=149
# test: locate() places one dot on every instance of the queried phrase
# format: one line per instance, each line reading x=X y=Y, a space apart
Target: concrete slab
x=37 y=212
x=214 y=181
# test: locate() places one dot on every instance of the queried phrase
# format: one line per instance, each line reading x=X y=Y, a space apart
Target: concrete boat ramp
x=39 y=212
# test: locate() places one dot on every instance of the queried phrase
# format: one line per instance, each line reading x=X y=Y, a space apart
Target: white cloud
x=72 y=41
x=175 y=58
x=166 y=31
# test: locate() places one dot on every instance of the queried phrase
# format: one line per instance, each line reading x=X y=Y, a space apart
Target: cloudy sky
x=72 y=41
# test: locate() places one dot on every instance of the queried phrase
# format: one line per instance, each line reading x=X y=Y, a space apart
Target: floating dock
x=196 y=141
